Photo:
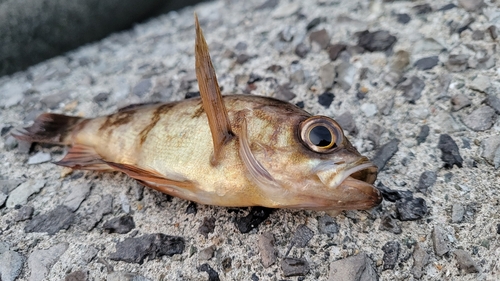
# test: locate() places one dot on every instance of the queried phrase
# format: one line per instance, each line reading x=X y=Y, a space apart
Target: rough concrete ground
x=434 y=70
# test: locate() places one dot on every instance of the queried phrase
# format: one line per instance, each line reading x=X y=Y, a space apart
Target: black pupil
x=320 y=136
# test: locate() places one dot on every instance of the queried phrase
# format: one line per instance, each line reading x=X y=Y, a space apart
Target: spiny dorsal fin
x=210 y=95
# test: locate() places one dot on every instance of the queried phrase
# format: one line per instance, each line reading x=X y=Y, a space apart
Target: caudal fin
x=49 y=128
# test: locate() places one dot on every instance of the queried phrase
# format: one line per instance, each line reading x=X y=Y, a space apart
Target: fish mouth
x=359 y=178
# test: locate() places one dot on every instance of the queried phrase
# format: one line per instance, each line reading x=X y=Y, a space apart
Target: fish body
x=235 y=150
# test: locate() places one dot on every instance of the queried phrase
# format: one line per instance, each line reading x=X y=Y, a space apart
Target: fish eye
x=321 y=134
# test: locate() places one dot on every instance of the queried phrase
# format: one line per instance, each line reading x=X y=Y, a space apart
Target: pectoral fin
x=210 y=95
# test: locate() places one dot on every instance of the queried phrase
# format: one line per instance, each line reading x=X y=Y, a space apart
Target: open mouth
x=361 y=178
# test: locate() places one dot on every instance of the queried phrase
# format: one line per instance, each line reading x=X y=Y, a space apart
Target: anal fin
x=84 y=158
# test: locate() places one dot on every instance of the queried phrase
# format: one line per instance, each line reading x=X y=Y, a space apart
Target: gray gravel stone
x=76 y=276
x=471 y=5
x=426 y=63
x=481 y=83
x=489 y=147
x=286 y=9
x=480 y=119
x=302 y=236
x=494 y=102
x=327 y=225
x=283 y=92
x=385 y=153
x=11 y=264
x=459 y=101
x=391 y=254
x=423 y=134
x=327 y=75
x=346 y=74
x=207 y=226
x=347 y=122
x=420 y=260
x=302 y=50
x=6 y=186
x=369 y=109
x=412 y=88
x=39 y=157
x=377 y=41
x=355 y=268
x=294 y=267
x=399 y=61
x=426 y=180
x=24 y=213
x=320 y=37
x=207 y=253
x=41 y=261
x=125 y=203
x=439 y=241
x=457 y=63
x=51 y=222
x=457 y=213
x=465 y=261
x=3 y=198
x=125 y=276
x=103 y=207
x=388 y=223
x=76 y=197
x=268 y=253
x=450 y=154
x=19 y=196
x=142 y=87
x=120 y=225
x=297 y=75
x=334 y=50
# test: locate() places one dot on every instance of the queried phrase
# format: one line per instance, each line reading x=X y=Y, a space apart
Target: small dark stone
x=477 y=35
x=101 y=97
x=142 y=87
x=457 y=63
x=242 y=58
x=302 y=50
x=192 y=208
x=493 y=30
x=335 y=49
x=388 y=223
x=353 y=268
x=254 y=78
x=373 y=134
x=321 y=37
x=447 y=7
x=5 y=130
x=192 y=95
x=393 y=195
x=254 y=277
x=300 y=104
x=313 y=23
x=269 y=4
x=327 y=225
x=283 y=92
x=120 y=225
x=385 y=153
x=459 y=101
x=465 y=261
x=207 y=226
x=226 y=264
x=426 y=63
x=302 y=236
x=423 y=134
x=152 y=246
x=498 y=228
x=439 y=241
x=51 y=222
x=403 y=18
x=326 y=99
x=450 y=153
x=377 y=41
x=410 y=209
x=494 y=102
x=294 y=267
x=212 y=274
x=412 y=88
x=256 y=216
x=427 y=179
x=275 y=68
x=422 y=9
x=241 y=46
x=347 y=122
x=76 y=276
x=391 y=254
x=24 y=213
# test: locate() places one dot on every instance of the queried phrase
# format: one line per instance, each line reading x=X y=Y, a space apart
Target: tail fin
x=49 y=128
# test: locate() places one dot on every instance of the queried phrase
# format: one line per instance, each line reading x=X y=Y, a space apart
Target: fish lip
x=361 y=175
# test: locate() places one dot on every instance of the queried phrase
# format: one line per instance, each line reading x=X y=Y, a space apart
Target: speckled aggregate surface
x=441 y=71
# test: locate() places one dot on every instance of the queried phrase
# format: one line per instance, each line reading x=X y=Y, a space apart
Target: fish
x=231 y=150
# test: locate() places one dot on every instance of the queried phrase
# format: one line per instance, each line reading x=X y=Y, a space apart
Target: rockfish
x=235 y=150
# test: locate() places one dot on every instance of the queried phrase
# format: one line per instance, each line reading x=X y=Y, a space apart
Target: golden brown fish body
x=234 y=150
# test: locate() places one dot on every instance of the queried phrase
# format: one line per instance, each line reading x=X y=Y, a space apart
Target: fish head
x=326 y=172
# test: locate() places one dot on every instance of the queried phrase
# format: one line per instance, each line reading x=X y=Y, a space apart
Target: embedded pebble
x=286 y=35
x=326 y=99
x=423 y=134
x=391 y=254
x=19 y=196
x=457 y=213
x=426 y=180
x=3 y=198
x=207 y=253
x=103 y=207
x=41 y=261
x=152 y=246
x=465 y=261
x=334 y=50
x=426 y=63
x=385 y=153
x=373 y=133
x=302 y=236
x=142 y=87
x=256 y=216
x=480 y=119
x=457 y=63
x=449 y=152
x=420 y=259
x=212 y=274
x=471 y=5
x=481 y=83
x=439 y=241
x=77 y=276
x=493 y=30
x=207 y=226
x=39 y=157
x=25 y=213
x=283 y=92
x=489 y=148
x=120 y=225
x=377 y=41
x=125 y=276
x=393 y=195
x=192 y=208
x=267 y=251
x=369 y=109
x=297 y=75
x=61 y=217
x=346 y=74
x=11 y=264
x=412 y=88
x=459 y=101
x=327 y=75
x=294 y=267
x=76 y=197
x=410 y=209
x=447 y=7
x=327 y=225
x=477 y=35
x=422 y=9
x=320 y=37
x=494 y=102
x=388 y=223
x=399 y=61
x=6 y=186
x=347 y=122
x=355 y=268
x=403 y=18
x=302 y=50
x=268 y=4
